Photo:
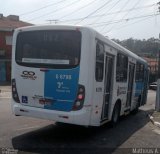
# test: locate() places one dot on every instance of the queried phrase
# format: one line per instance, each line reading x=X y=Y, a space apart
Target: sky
x=119 y=19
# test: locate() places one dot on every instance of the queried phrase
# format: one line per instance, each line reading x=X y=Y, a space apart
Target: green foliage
x=148 y=48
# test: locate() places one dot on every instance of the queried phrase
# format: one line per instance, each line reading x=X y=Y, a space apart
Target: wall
x=5 y=56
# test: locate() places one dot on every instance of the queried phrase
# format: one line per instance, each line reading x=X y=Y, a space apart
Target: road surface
x=37 y=136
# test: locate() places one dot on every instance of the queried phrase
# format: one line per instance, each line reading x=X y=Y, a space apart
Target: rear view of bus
x=45 y=74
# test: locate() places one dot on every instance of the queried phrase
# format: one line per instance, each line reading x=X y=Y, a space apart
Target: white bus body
x=80 y=88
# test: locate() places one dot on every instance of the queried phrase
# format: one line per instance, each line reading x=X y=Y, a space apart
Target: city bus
x=74 y=75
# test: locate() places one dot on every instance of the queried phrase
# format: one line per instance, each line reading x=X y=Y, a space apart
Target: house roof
x=151 y=61
x=11 y=22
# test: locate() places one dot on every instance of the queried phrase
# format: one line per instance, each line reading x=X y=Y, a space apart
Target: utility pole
x=157 y=105
x=159 y=6
x=55 y=21
x=159 y=59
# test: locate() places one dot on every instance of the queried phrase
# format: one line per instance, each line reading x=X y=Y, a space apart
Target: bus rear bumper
x=81 y=117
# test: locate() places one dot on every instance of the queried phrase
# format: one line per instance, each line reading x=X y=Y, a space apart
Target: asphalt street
x=41 y=136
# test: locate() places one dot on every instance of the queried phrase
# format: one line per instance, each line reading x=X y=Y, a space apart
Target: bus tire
x=139 y=100
x=137 y=105
x=135 y=111
x=115 y=115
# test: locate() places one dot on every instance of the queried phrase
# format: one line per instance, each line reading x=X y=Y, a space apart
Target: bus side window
x=142 y=72
x=122 y=68
x=99 y=62
x=139 y=72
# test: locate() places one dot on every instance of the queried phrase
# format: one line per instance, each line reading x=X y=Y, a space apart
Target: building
x=153 y=64
x=7 y=25
x=153 y=68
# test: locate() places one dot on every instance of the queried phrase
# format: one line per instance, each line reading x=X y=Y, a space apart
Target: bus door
x=145 y=87
x=108 y=88
x=130 y=84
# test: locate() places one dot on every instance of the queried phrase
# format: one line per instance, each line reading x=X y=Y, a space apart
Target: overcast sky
x=120 y=19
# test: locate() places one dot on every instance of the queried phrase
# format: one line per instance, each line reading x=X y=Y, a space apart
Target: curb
x=5 y=93
x=153 y=121
x=4 y=89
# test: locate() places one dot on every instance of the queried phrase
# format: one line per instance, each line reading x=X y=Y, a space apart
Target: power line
x=78 y=9
x=127 y=19
x=55 y=10
x=117 y=14
x=131 y=8
x=30 y=12
x=107 y=10
x=126 y=14
x=131 y=23
x=76 y=19
x=94 y=11
x=111 y=13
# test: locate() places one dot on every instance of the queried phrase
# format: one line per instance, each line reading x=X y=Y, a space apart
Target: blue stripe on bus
x=61 y=87
x=139 y=88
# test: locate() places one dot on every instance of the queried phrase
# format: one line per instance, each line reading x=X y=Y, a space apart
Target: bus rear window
x=52 y=48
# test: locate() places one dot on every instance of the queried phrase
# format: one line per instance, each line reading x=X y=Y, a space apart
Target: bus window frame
x=140 y=68
x=122 y=68
x=97 y=62
x=45 y=65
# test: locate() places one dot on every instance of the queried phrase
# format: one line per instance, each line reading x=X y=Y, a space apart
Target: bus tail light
x=14 y=91
x=80 y=98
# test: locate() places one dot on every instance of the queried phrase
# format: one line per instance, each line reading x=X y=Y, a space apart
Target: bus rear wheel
x=135 y=111
x=115 y=114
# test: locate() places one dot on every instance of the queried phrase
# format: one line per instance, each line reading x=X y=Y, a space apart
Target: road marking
x=156 y=123
x=25 y=128
x=157 y=131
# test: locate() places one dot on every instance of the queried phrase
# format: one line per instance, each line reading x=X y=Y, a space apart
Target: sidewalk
x=5 y=91
x=155 y=118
